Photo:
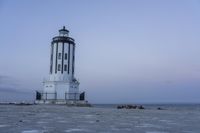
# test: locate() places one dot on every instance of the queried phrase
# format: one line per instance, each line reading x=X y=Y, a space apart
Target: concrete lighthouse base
x=64 y=102
x=42 y=98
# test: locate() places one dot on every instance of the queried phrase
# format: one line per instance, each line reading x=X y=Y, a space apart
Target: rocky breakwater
x=130 y=107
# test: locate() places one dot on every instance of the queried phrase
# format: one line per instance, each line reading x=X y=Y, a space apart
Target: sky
x=127 y=51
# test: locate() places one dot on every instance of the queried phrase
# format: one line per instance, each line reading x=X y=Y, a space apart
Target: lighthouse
x=61 y=86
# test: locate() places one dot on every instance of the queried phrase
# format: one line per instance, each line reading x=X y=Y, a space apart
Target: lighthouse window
x=59 y=55
x=65 y=56
x=65 y=67
x=58 y=67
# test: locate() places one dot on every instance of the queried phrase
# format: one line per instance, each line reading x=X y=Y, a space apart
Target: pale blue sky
x=127 y=50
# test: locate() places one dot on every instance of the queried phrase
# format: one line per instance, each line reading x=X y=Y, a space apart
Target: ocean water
x=100 y=118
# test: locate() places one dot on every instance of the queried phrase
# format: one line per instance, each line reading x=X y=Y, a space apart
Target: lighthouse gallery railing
x=54 y=96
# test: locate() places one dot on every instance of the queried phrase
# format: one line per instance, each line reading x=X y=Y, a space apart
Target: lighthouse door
x=61 y=90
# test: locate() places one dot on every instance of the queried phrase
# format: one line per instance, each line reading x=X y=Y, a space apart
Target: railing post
x=75 y=97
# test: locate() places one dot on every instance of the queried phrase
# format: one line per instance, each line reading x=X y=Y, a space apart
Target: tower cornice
x=63 y=39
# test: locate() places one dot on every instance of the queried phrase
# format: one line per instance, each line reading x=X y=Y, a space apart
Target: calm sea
x=101 y=118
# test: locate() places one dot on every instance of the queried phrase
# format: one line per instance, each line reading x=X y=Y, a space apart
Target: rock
x=129 y=107
x=140 y=107
x=159 y=108
x=119 y=107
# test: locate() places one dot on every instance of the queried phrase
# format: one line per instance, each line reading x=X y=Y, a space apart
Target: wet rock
x=160 y=108
x=140 y=107
x=119 y=107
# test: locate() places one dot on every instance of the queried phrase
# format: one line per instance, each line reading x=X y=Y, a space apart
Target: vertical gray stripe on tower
x=73 y=60
x=51 y=59
x=62 y=56
x=68 y=57
x=56 y=57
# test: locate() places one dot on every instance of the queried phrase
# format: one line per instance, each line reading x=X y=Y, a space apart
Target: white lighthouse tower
x=61 y=86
